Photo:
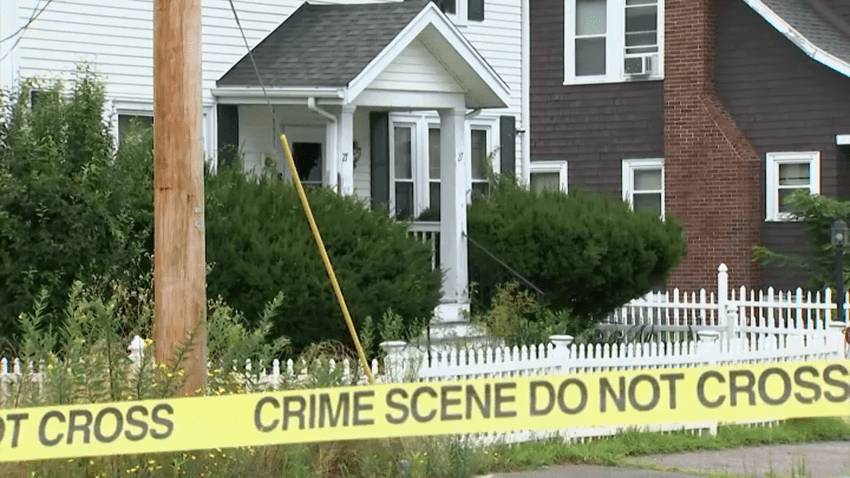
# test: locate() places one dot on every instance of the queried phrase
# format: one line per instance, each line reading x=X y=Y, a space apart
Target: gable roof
x=337 y=51
x=323 y=45
x=802 y=23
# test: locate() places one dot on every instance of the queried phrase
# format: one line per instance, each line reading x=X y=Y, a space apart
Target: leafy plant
x=259 y=243
x=586 y=253
x=71 y=206
x=816 y=213
x=517 y=317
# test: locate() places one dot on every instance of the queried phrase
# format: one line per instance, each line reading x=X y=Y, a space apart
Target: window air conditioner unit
x=638 y=66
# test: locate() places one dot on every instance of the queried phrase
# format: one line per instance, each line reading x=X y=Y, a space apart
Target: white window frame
x=773 y=160
x=629 y=168
x=461 y=15
x=421 y=123
x=559 y=166
x=415 y=166
x=615 y=46
x=125 y=108
x=487 y=127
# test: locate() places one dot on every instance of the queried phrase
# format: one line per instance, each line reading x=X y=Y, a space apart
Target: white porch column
x=331 y=158
x=346 y=150
x=454 y=304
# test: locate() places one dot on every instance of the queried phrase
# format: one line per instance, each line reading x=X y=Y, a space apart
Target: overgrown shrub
x=816 y=213
x=259 y=243
x=586 y=253
x=517 y=318
x=71 y=207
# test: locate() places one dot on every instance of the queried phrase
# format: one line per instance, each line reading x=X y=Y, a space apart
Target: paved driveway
x=818 y=460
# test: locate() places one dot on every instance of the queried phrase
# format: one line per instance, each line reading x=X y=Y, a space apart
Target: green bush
x=816 y=213
x=586 y=253
x=259 y=243
x=517 y=318
x=71 y=207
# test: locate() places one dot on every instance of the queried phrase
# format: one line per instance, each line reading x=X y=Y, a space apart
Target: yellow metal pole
x=323 y=252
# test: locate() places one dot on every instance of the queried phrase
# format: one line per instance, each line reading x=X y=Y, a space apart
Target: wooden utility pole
x=179 y=268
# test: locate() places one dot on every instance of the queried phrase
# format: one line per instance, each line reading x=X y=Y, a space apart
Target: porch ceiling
x=392 y=55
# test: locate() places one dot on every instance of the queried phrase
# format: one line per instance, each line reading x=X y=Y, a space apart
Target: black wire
x=35 y=13
x=254 y=63
x=517 y=274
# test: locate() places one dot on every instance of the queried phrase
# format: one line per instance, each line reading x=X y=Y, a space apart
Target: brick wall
x=711 y=169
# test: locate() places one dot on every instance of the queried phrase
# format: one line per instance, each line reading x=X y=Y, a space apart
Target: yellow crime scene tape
x=627 y=398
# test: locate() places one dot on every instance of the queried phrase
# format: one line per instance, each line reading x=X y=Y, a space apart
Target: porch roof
x=337 y=50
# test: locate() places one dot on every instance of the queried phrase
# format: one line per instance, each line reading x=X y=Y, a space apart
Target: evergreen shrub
x=259 y=243
x=588 y=254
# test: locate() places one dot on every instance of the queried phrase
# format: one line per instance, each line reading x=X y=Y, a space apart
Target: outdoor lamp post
x=839 y=240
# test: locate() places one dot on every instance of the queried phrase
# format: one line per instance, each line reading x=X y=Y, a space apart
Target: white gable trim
x=798 y=39
x=431 y=16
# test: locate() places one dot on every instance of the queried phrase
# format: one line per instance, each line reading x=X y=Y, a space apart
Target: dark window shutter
x=475 y=10
x=379 y=124
x=507 y=137
x=228 y=135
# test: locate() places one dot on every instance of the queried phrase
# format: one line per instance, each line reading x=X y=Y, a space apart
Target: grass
x=612 y=451
x=446 y=456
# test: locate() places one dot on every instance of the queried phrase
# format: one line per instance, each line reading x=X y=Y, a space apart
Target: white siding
x=116 y=37
x=416 y=69
x=499 y=40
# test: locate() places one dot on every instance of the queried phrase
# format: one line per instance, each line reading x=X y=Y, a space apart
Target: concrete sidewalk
x=819 y=460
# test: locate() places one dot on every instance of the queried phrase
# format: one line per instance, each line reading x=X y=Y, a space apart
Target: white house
x=401 y=103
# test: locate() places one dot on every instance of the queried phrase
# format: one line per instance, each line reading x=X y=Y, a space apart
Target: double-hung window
x=434 y=168
x=548 y=175
x=134 y=122
x=404 y=199
x=643 y=185
x=415 y=163
x=479 y=147
x=613 y=40
x=786 y=173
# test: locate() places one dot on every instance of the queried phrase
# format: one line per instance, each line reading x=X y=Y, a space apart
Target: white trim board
x=808 y=47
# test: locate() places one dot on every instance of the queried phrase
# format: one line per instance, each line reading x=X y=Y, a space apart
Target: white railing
x=428 y=232
x=677 y=316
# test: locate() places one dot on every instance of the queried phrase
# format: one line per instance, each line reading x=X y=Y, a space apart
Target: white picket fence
x=674 y=330
x=733 y=313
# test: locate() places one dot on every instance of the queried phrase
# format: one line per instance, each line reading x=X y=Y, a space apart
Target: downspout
x=525 y=136
x=311 y=103
x=332 y=154
x=473 y=113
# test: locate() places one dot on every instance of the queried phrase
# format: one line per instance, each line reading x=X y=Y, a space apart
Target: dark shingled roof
x=324 y=45
x=819 y=30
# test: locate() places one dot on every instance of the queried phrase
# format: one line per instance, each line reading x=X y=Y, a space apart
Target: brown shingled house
x=707 y=110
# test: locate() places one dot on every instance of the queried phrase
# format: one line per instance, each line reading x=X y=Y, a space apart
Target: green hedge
x=587 y=253
x=259 y=243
